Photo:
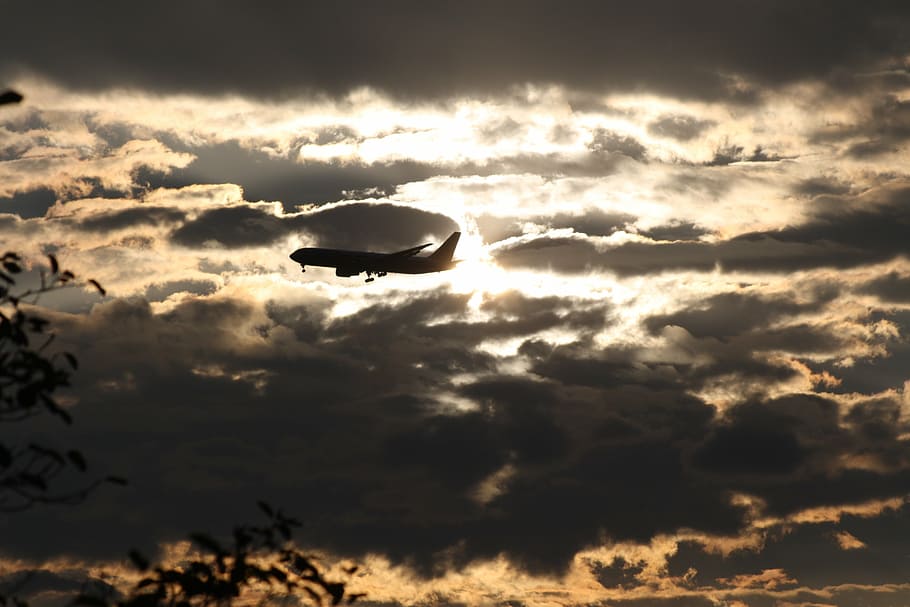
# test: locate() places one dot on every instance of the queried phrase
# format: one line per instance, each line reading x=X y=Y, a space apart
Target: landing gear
x=302 y=269
x=370 y=279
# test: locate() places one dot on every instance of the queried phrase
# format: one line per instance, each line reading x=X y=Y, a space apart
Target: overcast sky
x=671 y=368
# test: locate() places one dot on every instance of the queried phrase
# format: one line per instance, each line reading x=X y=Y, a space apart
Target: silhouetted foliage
x=262 y=562
x=262 y=565
x=10 y=96
x=29 y=377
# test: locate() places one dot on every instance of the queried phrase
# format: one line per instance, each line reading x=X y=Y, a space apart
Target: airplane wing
x=410 y=252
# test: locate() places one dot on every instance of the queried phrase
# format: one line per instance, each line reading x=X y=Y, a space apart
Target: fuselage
x=365 y=261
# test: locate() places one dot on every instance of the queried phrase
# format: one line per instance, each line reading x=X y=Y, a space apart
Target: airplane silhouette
x=352 y=263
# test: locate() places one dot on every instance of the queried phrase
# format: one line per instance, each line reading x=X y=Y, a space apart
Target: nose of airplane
x=297 y=255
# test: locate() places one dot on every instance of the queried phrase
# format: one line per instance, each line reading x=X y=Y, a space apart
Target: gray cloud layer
x=417 y=49
x=359 y=226
x=844 y=232
x=340 y=422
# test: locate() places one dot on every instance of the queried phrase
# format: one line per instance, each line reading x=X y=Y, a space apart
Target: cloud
x=679 y=127
x=881 y=126
x=163 y=290
x=470 y=49
x=729 y=314
x=755 y=442
x=822 y=186
x=608 y=142
x=27 y=205
x=388 y=431
x=292 y=182
x=131 y=217
x=845 y=232
x=727 y=153
x=890 y=287
x=811 y=554
x=592 y=221
x=360 y=226
x=672 y=366
x=72 y=174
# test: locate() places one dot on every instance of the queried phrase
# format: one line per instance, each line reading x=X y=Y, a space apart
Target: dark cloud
x=27 y=205
x=163 y=290
x=374 y=226
x=493 y=228
x=336 y=134
x=755 y=445
x=730 y=314
x=344 y=422
x=675 y=231
x=821 y=186
x=875 y=375
x=728 y=153
x=593 y=222
x=500 y=129
x=285 y=179
x=598 y=163
x=890 y=287
x=871 y=148
x=464 y=49
x=680 y=601
x=46 y=588
x=360 y=226
x=297 y=181
x=24 y=121
x=883 y=128
x=608 y=142
x=234 y=226
x=845 y=233
x=811 y=554
x=693 y=180
x=128 y=218
x=679 y=127
x=618 y=574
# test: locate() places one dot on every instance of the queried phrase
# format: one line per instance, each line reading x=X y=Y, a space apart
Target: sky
x=670 y=369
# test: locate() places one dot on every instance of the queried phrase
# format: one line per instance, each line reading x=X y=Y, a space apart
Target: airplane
x=352 y=263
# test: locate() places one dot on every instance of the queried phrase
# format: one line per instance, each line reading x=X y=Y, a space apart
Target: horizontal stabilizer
x=412 y=251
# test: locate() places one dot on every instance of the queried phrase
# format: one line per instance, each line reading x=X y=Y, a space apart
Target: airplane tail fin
x=447 y=249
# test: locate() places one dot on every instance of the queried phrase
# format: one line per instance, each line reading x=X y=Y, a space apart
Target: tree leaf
x=10 y=96
x=207 y=542
x=77 y=459
x=139 y=561
x=51 y=453
x=95 y=284
x=265 y=508
x=89 y=600
x=34 y=480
